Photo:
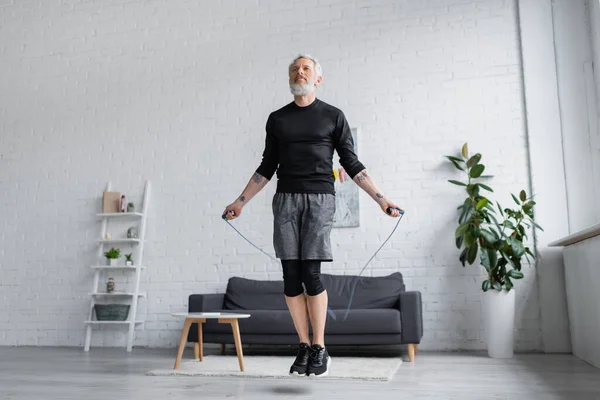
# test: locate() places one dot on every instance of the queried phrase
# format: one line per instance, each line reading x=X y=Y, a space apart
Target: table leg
x=200 y=341
x=237 y=338
x=182 y=341
x=238 y=343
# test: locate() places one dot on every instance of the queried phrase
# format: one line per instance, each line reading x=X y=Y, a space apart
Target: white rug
x=354 y=368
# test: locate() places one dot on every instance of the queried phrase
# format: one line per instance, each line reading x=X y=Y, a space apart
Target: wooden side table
x=200 y=318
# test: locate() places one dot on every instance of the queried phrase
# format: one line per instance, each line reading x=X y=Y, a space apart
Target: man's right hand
x=236 y=207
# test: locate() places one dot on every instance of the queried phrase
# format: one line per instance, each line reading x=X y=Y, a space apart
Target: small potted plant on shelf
x=112 y=256
x=128 y=260
x=130 y=207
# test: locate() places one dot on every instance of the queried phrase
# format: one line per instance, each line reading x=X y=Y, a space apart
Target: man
x=300 y=140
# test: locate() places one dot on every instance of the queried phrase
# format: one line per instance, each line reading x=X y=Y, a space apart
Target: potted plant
x=128 y=260
x=130 y=207
x=112 y=256
x=500 y=243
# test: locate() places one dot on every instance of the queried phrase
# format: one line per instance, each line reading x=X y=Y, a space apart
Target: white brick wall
x=178 y=93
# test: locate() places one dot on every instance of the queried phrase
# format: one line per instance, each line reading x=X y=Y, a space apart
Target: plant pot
x=498 y=311
x=129 y=263
x=130 y=209
x=112 y=261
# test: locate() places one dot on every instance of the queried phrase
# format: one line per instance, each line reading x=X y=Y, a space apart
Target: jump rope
x=330 y=311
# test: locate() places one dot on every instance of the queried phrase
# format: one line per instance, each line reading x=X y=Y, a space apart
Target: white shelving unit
x=133 y=296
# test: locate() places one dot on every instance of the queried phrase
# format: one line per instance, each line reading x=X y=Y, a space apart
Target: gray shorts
x=302 y=226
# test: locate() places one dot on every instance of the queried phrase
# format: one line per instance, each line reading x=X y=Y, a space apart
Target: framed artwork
x=346 y=193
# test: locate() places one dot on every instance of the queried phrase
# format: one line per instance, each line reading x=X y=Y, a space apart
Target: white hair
x=318 y=68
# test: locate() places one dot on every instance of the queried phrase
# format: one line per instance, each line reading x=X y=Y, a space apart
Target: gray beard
x=302 y=90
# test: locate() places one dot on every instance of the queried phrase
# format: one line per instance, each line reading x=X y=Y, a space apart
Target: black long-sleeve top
x=299 y=146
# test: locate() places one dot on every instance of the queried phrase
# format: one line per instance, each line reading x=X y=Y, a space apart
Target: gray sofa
x=382 y=312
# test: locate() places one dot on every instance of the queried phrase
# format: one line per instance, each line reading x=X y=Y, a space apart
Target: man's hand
x=385 y=204
x=233 y=210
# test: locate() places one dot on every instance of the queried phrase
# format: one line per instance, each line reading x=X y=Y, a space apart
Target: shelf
x=116 y=294
x=123 y=240
x=120 y=215
x=118 y=267
x=111 y=322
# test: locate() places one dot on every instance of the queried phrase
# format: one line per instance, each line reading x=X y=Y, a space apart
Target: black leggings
x=297 y=272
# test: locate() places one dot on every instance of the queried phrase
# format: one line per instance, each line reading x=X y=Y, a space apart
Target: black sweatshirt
x=299 y=145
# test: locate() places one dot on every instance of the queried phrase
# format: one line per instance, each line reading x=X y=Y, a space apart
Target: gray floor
x=70 y=373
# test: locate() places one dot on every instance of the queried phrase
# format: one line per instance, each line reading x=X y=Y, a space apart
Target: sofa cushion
x=251 y=294
x=279 y=322
x=364 y=321
x=371 y=291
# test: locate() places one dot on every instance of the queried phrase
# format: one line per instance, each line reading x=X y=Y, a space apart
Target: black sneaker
x=301 y=363
x=319 y=362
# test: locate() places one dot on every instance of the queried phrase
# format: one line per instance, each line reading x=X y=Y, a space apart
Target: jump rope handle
x=389 y=210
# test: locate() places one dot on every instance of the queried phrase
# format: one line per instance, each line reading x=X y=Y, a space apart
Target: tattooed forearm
x=365 y=182
x=242 y=199
x=257 y=178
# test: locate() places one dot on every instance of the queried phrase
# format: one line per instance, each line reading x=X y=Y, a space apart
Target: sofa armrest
x=411 y=315
x=206 y=302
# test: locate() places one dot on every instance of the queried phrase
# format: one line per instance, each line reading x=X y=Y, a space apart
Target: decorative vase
x=110 y=285
x=498 y=311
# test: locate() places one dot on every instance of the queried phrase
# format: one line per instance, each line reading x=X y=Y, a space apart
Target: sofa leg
x=412 y=349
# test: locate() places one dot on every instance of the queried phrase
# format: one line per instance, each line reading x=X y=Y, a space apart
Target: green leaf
x=484 y=259
x=457 y=166
x=463 y=256
x=522 y=195
x=486 y=187
x=469 y=239
x=508 y=224
x=457 y=182
x=517 y=247
x=456 y=161
x=537 y=226
x=515 y=199
x=473 y=190
x=515 y=274
x=529 y=252
x=496 y=234
x=473 y=160
x=497 y=286
x=482 y=203
x=508 y=259
x=485 y=286
x=466 y=215
x=508 y=283
x=500 y=208
x=459 y=241
x=452 y=158
x=488 y=236
x=465 y=150
x=476 y=171
x=489 y=258
x=461 y=230
x=472 y=253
